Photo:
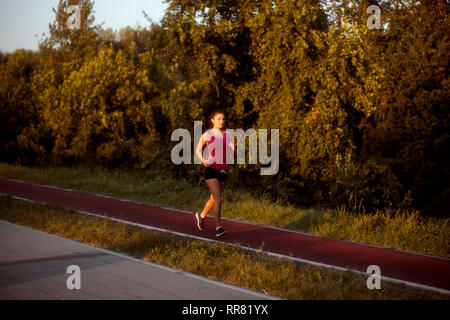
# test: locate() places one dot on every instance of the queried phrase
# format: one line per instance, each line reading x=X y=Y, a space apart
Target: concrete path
x=33 y=265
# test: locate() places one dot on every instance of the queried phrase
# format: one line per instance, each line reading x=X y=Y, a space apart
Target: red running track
x=406 y=266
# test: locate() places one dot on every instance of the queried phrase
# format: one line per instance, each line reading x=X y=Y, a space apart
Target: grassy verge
x=399 y=229
x=256 y=271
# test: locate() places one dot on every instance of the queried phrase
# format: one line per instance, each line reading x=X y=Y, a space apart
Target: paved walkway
x=425 y=271
x=33 y=265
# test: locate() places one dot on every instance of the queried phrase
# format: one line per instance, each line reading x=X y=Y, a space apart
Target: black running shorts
x=211 y=173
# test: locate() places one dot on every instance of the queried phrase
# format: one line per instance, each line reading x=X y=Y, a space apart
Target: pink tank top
x=215 y=140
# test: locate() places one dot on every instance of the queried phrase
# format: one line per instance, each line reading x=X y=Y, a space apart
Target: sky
x=22 y=22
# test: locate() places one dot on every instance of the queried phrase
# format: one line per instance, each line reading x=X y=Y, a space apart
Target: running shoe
x=220 y=232
x=200 y=220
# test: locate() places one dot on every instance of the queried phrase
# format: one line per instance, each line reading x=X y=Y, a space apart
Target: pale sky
x=22 y=20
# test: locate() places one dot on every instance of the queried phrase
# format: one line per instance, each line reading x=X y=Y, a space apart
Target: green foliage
x=411 y=123
x=99 y=111
x=17 y=103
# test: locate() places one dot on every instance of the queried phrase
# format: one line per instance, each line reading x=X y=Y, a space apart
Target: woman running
x=215 y=171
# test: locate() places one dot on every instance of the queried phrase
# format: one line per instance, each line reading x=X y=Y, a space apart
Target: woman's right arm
x=199 y=150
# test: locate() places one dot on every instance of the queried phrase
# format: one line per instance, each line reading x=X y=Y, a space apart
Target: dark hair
x=212 y=115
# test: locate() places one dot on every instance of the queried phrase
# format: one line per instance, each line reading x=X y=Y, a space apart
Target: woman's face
x=218 y=120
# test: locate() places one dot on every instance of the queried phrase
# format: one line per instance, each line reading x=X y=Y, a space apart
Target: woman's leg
x=216 y=192
x=210 y=203
x=208 y=206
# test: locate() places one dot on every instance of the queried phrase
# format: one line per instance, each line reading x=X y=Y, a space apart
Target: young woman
x=215 y=171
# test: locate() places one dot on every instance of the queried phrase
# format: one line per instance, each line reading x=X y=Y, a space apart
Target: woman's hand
x=206 y=164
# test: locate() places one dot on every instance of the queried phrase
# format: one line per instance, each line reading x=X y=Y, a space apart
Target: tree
x=17 y=105
x=410 y=126
x=64 y=51
x=211 y=41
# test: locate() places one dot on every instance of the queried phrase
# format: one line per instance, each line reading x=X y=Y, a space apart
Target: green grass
x=400 y=229
x=256 y=271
